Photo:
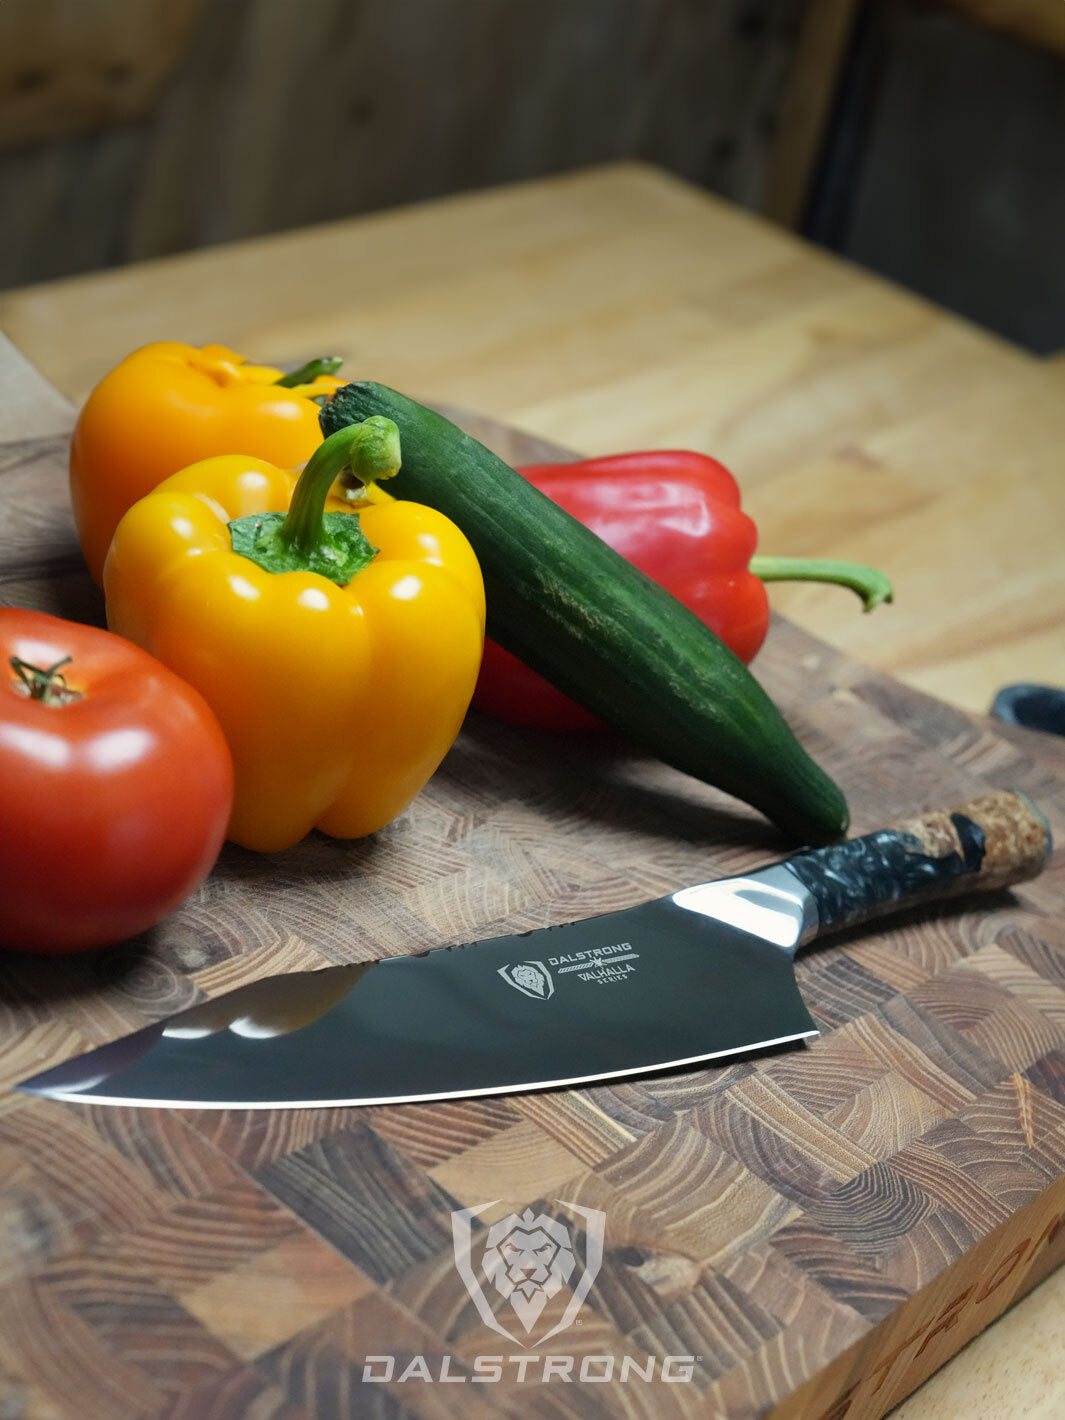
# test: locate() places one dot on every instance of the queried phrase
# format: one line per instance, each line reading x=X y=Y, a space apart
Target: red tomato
x=114 y=797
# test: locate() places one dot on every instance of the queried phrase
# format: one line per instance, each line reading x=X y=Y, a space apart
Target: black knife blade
x=702 y=974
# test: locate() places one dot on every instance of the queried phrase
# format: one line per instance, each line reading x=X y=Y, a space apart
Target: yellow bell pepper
x=338 y=649
x=167 y=405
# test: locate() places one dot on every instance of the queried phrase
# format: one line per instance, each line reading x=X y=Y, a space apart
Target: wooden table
x=619 y=308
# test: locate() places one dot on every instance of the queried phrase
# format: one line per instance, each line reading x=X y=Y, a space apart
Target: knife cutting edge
x=702 y=974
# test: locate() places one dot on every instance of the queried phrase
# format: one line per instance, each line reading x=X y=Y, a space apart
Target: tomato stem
x=43 y=683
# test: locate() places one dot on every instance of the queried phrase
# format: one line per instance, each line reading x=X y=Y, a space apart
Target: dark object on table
x=1034 y=707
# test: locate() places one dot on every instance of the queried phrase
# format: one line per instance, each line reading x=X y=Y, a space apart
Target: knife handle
x=991 y=842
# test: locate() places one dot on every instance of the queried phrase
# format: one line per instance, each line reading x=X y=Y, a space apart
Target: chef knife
x=704 y=973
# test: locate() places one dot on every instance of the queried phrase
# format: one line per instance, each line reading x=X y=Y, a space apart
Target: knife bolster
x=994 y=841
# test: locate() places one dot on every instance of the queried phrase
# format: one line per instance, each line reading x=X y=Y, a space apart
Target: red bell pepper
x=676 y=516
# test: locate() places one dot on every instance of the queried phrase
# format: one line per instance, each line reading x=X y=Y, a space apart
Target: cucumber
x=576 y=611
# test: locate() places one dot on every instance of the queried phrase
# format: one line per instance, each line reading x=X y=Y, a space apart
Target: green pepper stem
x=370 y=450
x=44 y=683
x=307 y=374
x=871 y=585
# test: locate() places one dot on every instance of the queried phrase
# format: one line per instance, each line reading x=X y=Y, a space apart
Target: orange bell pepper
x=168 y=405
x=338 y=649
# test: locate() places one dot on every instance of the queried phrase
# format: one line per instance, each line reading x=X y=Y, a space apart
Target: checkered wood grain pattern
x=778 y=1218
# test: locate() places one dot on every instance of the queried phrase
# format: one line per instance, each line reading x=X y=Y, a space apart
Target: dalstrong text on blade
x=603 y=965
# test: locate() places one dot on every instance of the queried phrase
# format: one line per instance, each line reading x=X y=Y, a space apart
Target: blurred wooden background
x=137 y=128
x=920 y=138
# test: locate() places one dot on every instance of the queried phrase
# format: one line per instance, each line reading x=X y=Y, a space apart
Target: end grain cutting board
x=817 y=1228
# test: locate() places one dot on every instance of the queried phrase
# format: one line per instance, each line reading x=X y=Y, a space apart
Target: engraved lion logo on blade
x=527 y=975
x=531 y=978
x=528 y=1259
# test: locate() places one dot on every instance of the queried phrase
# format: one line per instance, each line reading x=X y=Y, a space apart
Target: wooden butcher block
x=816 y=1229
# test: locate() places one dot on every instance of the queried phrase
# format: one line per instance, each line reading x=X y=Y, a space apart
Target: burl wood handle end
x=1002 y=838
x=991 y=842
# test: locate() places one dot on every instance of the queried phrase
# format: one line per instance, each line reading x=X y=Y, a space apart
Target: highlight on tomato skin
x=117 y=786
